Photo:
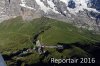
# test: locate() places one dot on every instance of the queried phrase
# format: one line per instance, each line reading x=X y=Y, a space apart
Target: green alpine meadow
x=18 y=39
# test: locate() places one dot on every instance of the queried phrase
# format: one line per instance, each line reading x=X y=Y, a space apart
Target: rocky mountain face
x=82 y=13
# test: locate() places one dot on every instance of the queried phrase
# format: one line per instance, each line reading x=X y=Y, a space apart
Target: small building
x=60 y=47
x=40 y=48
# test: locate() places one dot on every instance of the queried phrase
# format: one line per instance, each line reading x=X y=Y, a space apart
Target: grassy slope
x=66 y=33
x=16 y=34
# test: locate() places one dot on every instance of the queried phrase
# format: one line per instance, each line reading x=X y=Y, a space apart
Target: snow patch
x=42 y=6
x=65 y=1
x=45 y=8
x=52 y=5
x=23 y=4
